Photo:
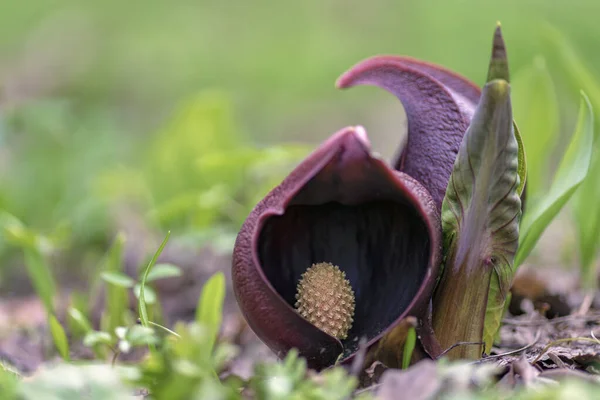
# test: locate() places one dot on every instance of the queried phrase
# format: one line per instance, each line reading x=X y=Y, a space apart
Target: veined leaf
x=498 y=69
x=480 y=221
x=536 y=111
x=480 y=217
x=572 y=171
x=523 y=166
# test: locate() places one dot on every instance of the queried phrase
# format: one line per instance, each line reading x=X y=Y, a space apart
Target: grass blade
x=41 y=277
x=59 y=337
x=209 y=312
x=142 y=300
x=116 y=295
x=586 y=213
x=81 y=320
x=572 y=171
x=409 y=347
x=536 y=110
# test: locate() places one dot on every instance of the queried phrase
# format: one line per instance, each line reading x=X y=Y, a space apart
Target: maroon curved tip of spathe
x=345 y=206
x=439 y=105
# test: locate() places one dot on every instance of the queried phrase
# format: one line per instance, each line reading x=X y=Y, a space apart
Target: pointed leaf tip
x=499 y=61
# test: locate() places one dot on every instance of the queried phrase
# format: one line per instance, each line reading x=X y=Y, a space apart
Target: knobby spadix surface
x=480 y=221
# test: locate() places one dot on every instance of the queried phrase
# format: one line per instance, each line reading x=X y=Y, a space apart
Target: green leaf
x=117 y=279
x=41 y=277
x=523 y=165
x=585 y=208
x=164 y=328
x=83 y=323
x=59 y=337
x=140 y=335
x=142 y=299
x=573 y=67
x=498 y=67
x=571 y=172
x=33 y=247
x=117 y=298
x=175 y=184
x=16 y=232
x=409 y=347
x=480 y=221
x=162 y=271
x=149 y=293
x=9 y=381
x=97 y=337
x=586 y=213
x=209 y=312
x=536 y=110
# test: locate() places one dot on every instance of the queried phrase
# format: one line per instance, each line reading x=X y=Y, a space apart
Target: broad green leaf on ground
x=571 y=172
x=480 y=221
x=209 y=312
x=141 y=299
x=59 y=337
x=536 y=111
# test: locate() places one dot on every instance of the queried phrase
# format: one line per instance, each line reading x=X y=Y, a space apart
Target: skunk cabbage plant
x=344 y=207
x=347 y=246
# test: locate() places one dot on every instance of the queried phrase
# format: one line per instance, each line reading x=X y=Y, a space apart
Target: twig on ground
x=538 y=335
x=568 y=318
x=443 y=353
x=559 y=341
x=585 y=304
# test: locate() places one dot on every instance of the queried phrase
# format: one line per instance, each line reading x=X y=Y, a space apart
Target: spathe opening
x=382 y=245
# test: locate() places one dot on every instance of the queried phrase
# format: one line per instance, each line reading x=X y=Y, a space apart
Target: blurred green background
x=183 y=114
